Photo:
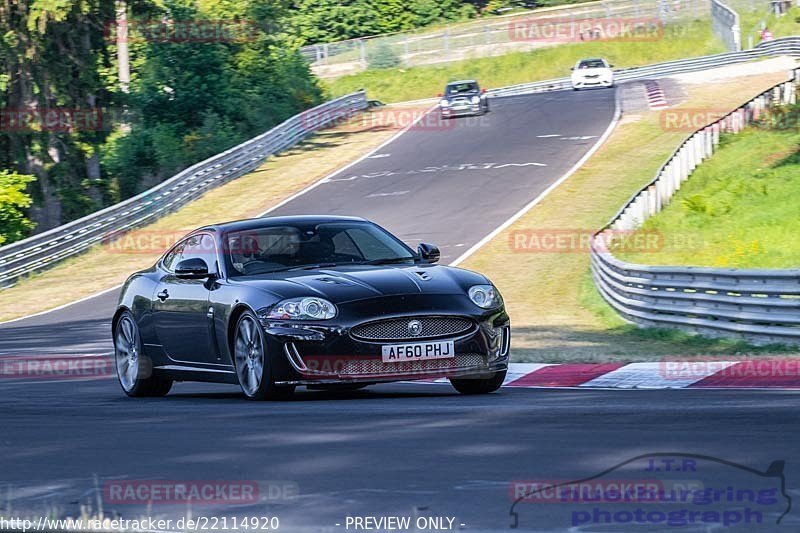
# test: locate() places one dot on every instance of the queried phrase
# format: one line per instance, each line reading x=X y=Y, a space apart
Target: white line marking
x=562 y=179
x=381 y=194
x=276 y=206
x=348 y=165
x=60 y=307
x=378 y=156
x=653 y=376
x=548 y=136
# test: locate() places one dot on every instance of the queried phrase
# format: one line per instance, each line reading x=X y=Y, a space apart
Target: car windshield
x=592 y=63
x=298 y=246
x=461 y=88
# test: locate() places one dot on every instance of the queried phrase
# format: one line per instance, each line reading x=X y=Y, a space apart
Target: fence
x=486 y=37
x=758 y=305
x=45 y=249
x=725 y=25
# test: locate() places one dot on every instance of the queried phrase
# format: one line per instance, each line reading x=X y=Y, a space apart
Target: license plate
x=398 y=353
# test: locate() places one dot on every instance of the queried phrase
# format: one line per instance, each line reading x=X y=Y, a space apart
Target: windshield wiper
x=387 y=260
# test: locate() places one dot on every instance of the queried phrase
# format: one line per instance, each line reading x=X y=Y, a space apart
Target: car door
x=181 y=313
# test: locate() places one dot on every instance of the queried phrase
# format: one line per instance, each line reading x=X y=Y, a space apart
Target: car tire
x=134 y=368
x=253 y=363
x=479 y=385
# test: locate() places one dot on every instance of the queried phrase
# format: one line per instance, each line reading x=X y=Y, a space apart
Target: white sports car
x=594 y=72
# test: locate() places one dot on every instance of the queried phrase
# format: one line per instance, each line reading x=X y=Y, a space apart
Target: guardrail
x=783 y=46
x=758 y=305
x=45 y=249
x=725 y=24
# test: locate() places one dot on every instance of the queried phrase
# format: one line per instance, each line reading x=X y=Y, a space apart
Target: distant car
x=317 y=301
x=463 y=97
x=594 y=72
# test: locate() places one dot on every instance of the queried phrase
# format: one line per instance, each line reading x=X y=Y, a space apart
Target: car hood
x=349 y=283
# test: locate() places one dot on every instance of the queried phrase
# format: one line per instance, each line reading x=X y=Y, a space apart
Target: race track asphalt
x=449 y=183
x=413 y=450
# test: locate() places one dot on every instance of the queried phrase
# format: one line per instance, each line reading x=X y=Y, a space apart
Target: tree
x=13 y=203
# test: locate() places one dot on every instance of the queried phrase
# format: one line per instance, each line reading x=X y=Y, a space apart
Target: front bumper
x=317 y=354
x=469 y=110
x=592 y=82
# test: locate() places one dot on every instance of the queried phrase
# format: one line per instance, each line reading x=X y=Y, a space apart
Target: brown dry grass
x=555 y=311
x=106 y=266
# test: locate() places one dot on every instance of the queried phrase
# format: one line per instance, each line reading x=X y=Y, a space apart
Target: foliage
x=382 y=56
x=13 y=202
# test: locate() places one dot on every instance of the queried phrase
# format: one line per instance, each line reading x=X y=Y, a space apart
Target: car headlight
x=485 y=296
x=476 y=100
x=444 y=103
x=308 y=308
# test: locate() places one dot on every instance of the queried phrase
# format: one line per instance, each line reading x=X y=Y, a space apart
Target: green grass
x=740 y=208
x=401 y=84
x=556 y=313
x=750 y=21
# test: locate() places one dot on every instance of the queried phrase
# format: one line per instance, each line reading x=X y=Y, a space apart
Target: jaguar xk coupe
x=315 y=301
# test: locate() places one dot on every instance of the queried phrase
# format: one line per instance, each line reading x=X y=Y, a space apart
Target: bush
x=13 y=201
x=383 y=57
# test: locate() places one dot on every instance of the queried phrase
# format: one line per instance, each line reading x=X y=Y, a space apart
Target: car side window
x=170 y=259
x=199 y=246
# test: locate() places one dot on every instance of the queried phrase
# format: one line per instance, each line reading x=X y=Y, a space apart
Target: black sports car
x=319 y=301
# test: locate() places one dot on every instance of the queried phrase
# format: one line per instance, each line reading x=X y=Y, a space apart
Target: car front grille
x=328 y=366
x=397 y=329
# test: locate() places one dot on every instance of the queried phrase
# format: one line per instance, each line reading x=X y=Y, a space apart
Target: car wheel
x=479 y=385
x=252 y=362
x=134 y=369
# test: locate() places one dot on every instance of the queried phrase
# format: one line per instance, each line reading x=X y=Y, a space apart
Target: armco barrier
x=48 y=248
x=783 y=46
x=758 y=305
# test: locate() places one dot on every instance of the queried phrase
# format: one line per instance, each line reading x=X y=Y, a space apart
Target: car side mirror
x=483 y=91
x=428 y=252
x=572 y=68
x=610 y=66
x=192 y=268
x=439 y=95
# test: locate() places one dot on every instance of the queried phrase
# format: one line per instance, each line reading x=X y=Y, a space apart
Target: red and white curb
x=748 y=374
x=655 y=95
